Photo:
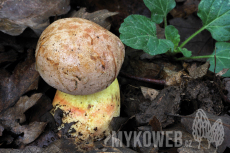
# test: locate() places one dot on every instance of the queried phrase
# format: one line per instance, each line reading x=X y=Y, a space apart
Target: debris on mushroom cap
x=78 y=57
x=88 y=115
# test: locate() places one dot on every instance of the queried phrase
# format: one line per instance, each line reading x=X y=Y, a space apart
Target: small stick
x=154 y=81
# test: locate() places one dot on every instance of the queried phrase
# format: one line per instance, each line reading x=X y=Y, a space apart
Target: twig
x=154 y=81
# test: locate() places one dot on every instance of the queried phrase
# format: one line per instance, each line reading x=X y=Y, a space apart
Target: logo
x=202 y=128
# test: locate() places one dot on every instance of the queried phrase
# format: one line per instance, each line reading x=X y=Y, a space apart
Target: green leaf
x=139 y=32
x=158 y=46
x=222 y=58
x=215 y=15
x=159 y=8
x=136 y=31
x=185 y=52
x=171 y=33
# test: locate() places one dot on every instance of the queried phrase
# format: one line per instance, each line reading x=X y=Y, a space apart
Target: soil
x=30 y=126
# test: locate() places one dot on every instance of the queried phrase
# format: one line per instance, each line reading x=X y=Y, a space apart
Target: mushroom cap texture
x=78 y=57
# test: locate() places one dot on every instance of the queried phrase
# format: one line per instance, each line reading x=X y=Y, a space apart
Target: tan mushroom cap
x=78 y=57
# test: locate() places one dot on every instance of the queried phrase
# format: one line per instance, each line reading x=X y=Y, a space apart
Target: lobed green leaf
x=171 y=33
x=159 y=8
x=139 y=32
x=185 y=52
x=215 y=15
x=158 y=46
x=222 y=58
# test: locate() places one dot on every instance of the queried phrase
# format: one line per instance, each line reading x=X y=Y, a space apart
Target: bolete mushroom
x=82 y=60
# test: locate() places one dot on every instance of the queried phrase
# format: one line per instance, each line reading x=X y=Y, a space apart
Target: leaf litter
x=34 y=129
x=13 y=118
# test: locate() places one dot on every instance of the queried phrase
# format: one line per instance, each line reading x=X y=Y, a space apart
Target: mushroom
x=82 y=60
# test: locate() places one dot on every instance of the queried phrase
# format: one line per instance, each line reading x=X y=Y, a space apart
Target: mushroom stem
x=88 y=115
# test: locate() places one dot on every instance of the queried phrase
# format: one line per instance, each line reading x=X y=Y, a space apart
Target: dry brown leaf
x=222 y=72
x=149 y=93
x=30 y=132
x=144 y=69
x=69 y=145
x=6 y=139
x=16 y=16
x=98 y=17
x=45 y=139
x=198 y=72
x=1 y=130
x=28 y=149
x=9 y=56
x=16 y=112
x=173 y=77
x=202 y=94
x=155 y=124
x=23 y=79
x=188 y=8
x=226 y=83
x=168 y=101
x=14 y=116
x=172 y=74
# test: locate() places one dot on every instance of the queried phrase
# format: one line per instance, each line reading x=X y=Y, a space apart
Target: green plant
x=139 y=32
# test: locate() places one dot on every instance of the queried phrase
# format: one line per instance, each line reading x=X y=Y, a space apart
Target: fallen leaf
x=132 y=100
x=1 y=130
x=201 y=94
x=222 y=72
x=198 y=72
x=42 y=106
x=9 y=56
x=140 y=147
x=6 y=139
x=226 y=83
x=155 y=124
x=186 y=9
x=188 y=122
x=98 y=17
x=124 y=8
x=69 y=145
x=174 y=78
x=118 y=122
x=30 y=132
x=115 y=142
x=168 y=101
x=45 y=139
x=144 y=69
x=13 y=117
x=149 y=93
x=145 y=128
x=23 y=79
x=28 y=149
x=165 y=73
x=16 y=16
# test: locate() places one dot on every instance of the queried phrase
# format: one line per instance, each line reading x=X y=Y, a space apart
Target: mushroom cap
x=78 y=57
